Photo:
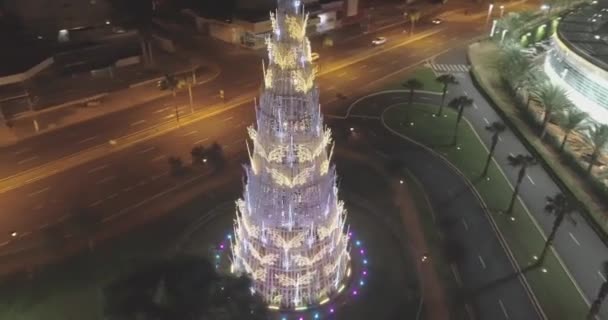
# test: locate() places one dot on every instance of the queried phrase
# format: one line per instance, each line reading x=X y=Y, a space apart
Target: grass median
x=550 y=283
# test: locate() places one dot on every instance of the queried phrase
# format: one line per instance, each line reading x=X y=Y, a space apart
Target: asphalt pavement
x=580 y=248
x=459 y=214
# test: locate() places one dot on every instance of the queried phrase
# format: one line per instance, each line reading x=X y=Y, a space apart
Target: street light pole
x=490 y=8
x=191 y=99
x=502 y=10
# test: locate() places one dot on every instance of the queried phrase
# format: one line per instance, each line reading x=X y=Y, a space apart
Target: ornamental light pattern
x=290 y=233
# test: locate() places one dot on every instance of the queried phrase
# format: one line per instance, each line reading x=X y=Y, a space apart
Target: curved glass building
x=579 y=59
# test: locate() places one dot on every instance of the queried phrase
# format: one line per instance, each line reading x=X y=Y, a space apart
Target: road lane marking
x=574 y=239
x=97 y=169
x=146 y=150
x=601 y=275
x=161 y=157
x=24 y=150
x=511 y=154
x=189 y=133
x=106 y=179
x=483 y=263
x=499 y=138
x=465 y=93
x=4 y=243
x=38 y=192
x=228 y=119
x=456 y=274
x=486 y=120
x=363 y=66
x=504 y=310
x=127 y=189
x=465 y=224
x=375 y=69
x=142 y=183
x=330 y=88
x=87 y=139
x=475 y=106
x=169 y=116
x=138 y=123
x=201 y=141
x=354 y=78
x=96 y=203
x=395 y=62
x=27 y=160
x=342 y=74
x=112 y=196
x=531 y=181
x=161 y=110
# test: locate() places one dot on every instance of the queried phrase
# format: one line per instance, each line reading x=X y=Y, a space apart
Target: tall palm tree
x=459 y=103
x=553 y=98
x=598 y=138
x=523 y=162
x=569 y=120
x=496 y=128
x=414 y=17
x=412 y=85
x=562 y=208
x=170 y=82
x=446 y=80
x=601 y=295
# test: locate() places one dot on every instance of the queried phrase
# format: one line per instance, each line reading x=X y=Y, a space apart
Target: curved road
x=484 y=260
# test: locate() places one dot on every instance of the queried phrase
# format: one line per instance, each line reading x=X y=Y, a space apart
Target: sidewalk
x=39 y=122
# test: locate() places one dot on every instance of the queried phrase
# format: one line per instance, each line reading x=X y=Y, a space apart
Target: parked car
x=314 y=57
x=378 y=41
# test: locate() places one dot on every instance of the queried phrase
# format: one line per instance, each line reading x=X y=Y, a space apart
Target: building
x=290 y=226
x=250 y=25
x=579 y=59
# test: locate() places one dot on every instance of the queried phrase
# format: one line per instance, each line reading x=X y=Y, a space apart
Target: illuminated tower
x=290 y=227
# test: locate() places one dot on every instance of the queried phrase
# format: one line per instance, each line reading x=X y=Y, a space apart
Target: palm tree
x=521 y=161
x=552 y=98
x=412 y=85
x=197 y=153
x=459 y=103
x=562 y=208
x=446 y=80
x=601 y=295
x=414 y=17
x=170 y=82
x=598 y=138
x=496 y=128
x=570 y=120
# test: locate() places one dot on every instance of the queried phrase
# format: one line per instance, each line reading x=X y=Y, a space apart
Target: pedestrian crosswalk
x=455 y=68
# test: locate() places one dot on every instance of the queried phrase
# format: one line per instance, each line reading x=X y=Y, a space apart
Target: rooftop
x=585 y=31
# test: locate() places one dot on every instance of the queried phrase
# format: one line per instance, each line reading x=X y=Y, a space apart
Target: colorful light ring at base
x=327 y=308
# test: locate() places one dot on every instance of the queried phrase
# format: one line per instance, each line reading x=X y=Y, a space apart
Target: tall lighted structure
x=290 y=227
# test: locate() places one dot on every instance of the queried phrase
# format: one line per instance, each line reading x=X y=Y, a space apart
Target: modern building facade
x=579 y=59
x=290 y=226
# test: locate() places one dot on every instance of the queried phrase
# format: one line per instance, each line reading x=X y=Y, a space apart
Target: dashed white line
x=87 y=139
x=354 y=78
x=161 y=157
x=574 y=239
x=169 y=116
x=161 y=110
x=483 y=263
x=342 y=74
x=112 y=196
x=4 y=243
x=24 y=150
x=465 y=93
x=363 y=66
x=136 y=123
x=395 y=62
x=375 y=69
x=475 y=106
x=142 y=183
x=27 y=160
x=106 y=179
x=96 y=203
x=127 y=189
x=146 y=150
x=189 y=133
x=97 y=169
x=201 y=141
x=499 y=138
x=531 y=181
x=465 y=224
x=601 y=275
x=330 y=88
x=228 y=119
x=425 y=98
x=456 y=274
x=38 y=192
x=486 y=120
x=504 y=310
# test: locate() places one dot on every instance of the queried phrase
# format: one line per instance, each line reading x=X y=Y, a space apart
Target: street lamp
x=504 y=33
x=502 y=10
x=493 y=28
x=490 y=8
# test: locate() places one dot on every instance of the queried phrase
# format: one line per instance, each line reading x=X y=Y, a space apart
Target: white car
x=378 y=41
x=314 y=56
x=437 y=21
